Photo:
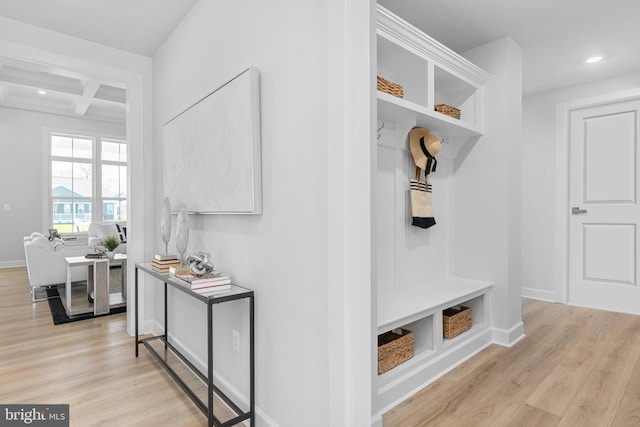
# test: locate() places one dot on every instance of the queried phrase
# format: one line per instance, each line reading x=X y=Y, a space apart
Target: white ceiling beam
x=58 y=92
x=40 y=83
x=88 y=93
x=29 y=104
x=90 y=88
x=34 y=67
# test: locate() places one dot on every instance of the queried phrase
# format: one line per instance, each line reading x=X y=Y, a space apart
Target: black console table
x=178 y=366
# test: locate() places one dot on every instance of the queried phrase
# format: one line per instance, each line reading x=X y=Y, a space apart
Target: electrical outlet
x=235 y=340
x=7 y=207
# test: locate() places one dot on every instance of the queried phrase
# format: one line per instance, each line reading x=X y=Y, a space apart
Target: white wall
x=281 y=254
x=486 y=239
x=22 y=173
x=539 y=208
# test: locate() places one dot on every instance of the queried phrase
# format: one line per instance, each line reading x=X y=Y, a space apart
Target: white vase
x=165 y=223
x=182 y=233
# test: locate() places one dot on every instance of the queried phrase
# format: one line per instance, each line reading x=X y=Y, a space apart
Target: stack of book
x=162 y=263
x=92 y=256
x=206 y=283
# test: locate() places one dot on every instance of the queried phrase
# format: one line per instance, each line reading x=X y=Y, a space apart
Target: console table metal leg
x=136 y=307
x=166 y=320
x=252 y=403
x=210 y=362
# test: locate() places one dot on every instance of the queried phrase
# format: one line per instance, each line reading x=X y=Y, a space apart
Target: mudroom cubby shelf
x=478 y=320
x=430 y=74
x=399 y=309
x=416 y=271
x=394 y=109
x=420 y=311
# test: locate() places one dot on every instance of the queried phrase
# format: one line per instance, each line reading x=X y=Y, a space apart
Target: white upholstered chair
x=46 y=265
x=99 y=230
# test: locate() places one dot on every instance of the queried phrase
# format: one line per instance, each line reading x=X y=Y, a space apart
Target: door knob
x=577 y=211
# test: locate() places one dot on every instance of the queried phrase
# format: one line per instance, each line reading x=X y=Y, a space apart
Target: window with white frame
x=88 y=181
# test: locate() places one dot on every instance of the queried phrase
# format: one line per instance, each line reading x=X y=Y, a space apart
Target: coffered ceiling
x=30 y=86
x=136 y=26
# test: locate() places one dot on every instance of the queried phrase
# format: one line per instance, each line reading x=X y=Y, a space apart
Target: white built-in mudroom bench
x=414 y=267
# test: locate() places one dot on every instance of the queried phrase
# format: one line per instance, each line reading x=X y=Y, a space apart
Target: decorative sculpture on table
x=182 y=233
x=199 y=263
x=165 y=224
x=99 y=248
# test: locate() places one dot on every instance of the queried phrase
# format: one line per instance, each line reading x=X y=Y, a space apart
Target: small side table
x=97 y=281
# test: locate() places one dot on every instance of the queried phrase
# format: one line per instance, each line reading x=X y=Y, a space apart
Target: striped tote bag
x=421 y=204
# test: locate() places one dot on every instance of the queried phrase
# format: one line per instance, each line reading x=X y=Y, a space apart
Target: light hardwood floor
x=89 y=365
x=576 y=367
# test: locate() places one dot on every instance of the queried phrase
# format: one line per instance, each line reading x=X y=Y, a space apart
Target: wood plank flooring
x=89 y=365
x=576 y=367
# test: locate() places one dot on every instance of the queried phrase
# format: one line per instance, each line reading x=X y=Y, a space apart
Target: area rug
x=59 y=315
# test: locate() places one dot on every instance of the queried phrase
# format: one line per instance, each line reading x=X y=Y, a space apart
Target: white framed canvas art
x=212 y=160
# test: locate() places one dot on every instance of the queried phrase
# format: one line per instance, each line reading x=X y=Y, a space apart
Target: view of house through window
x=88 y=181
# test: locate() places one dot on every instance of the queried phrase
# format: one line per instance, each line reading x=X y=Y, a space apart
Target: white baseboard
x=146 y=327
x=157 y=328
x=539 y=294
x=376 y=421
x=13 y=264
x=508 y=338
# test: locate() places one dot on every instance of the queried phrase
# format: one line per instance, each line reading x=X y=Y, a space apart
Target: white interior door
x=603 y=211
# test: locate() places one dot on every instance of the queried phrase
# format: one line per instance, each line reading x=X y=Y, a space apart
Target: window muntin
x=78 y=195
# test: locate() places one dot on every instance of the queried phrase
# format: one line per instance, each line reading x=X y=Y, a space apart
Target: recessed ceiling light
x=42 y=92
x=594 y=59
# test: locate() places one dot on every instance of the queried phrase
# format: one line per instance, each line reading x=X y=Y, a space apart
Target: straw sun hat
x=423 y=145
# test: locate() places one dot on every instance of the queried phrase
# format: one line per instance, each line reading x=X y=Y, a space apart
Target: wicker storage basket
x=393 y=349
x=448 y=110
x=390 y=87
x=456 y=320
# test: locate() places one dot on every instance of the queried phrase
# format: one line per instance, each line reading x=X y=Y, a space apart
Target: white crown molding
x=397 y=30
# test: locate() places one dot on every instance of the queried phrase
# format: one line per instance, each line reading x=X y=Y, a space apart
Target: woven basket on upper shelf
x=448 y=110
x=455 y=320
x=393 y=349
x=390 y=87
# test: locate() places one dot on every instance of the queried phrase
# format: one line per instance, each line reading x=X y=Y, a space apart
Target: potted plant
x=110 y=243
